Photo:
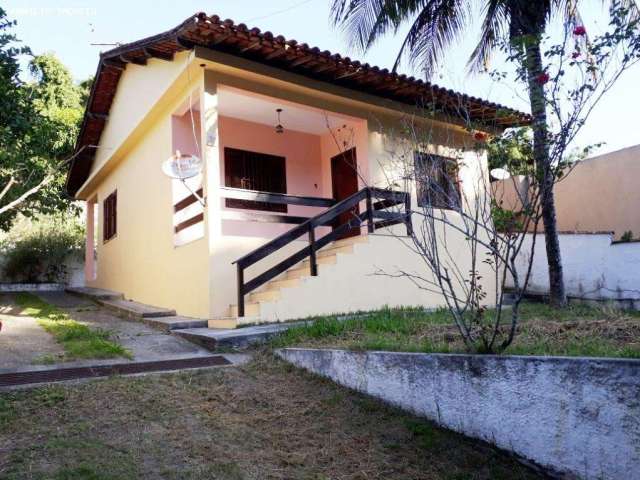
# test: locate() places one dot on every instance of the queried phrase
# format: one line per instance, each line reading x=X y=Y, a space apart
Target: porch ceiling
x=260 y=109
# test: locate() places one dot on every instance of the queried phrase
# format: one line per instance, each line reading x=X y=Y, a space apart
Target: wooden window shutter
x=255 y=171
x=437 y=183
x=110 y=214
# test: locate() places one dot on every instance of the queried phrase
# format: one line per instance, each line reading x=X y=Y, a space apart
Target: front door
x=344 y=180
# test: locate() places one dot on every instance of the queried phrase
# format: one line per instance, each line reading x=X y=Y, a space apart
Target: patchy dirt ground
x=261 y=421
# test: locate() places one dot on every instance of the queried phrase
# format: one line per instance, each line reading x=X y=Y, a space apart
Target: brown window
x=110 y=219
x=437 y=181
x=254 y=171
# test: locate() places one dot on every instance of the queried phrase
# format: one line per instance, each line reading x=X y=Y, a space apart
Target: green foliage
x=39 y=122
x=38 y=250
x=627 y=236
x=576 y=330
x=78 y=340
x=512 y=151
x=505 y=220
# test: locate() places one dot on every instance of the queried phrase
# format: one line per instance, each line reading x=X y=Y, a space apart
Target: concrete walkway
x=23 y=343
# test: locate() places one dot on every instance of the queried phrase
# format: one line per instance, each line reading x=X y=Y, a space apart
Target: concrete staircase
x=223 y=332
x=160 y=318
x=291 y=279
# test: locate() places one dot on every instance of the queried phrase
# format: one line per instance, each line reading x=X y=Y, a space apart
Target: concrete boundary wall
x=579 y=417
x=31 y=287
x=594 y=267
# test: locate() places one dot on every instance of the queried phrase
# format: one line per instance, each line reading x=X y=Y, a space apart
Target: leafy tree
x=40 y=248
x=39 y=122
x=436 y=24
x=514 y=150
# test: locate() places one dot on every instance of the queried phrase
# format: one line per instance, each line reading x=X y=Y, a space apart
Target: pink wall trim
x=182 y=133
x=303 y=167
x=89 y=251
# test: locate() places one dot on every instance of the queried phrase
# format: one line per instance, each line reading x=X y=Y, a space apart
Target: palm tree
x=435 y=25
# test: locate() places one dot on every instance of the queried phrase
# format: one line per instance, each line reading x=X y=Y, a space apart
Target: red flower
x=580 y=31
x=480 y=136
x=542 y=78
x=575 y=55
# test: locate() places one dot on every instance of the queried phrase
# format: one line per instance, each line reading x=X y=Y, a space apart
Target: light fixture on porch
x=182 y=167
x=279 y=127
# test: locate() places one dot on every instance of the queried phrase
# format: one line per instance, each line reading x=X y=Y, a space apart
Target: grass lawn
x=264 y=420
x=577 y=330
x=79 y=341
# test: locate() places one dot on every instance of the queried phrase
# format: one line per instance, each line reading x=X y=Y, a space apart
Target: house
x=597 y=195
x=287 y=133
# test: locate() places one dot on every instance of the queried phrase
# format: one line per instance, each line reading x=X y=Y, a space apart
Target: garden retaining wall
x=578 y=417
x=595 y=268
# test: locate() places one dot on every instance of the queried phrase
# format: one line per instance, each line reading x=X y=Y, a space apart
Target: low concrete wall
x=594 y=267
x=74 y=277
x=575 y=416
x=31 y=287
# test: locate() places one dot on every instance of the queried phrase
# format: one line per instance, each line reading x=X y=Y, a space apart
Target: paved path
x=23 y=341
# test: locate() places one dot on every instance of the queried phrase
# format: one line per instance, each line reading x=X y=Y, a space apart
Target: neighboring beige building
x=212 y=89
x=600 y=194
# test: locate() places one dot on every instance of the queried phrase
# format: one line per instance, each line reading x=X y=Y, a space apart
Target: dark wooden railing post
x=240 y=290
x=407 y=213
x=369 y=212
x=313 y=263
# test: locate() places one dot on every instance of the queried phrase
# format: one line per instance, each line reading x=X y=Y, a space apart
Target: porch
x=291 y=180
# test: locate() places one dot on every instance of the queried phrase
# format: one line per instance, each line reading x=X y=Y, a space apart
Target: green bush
x=38 y=250
x=627 y=236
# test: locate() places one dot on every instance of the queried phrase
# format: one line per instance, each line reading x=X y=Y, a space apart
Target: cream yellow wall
x=139 y=89
x=142 y=261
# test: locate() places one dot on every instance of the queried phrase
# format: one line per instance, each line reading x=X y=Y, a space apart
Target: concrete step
x=233 y=338
x=223 y=323
x=250 y=310
x=95 y=294
x=278 y=284
x=325 y=260
x=298 y=273
x=265 y=295
x=332 y=250
x=136 y=310
x=168 y=324
x=350 y=241
x=301 y=271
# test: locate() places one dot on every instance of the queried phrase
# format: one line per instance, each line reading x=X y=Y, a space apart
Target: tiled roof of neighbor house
x=264 y=47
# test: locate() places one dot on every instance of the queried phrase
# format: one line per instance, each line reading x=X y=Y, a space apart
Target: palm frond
x=365 y=21
x=436 y=26
x=493 y=29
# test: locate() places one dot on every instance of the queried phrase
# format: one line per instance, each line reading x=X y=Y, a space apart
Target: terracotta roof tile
x=276 y=51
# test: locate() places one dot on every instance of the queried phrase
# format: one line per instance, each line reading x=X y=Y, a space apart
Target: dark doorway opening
x=344 y=181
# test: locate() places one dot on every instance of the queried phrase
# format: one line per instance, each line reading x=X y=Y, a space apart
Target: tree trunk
x=544 y=170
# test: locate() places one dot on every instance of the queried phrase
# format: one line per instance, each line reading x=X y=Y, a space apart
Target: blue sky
x=69 y=28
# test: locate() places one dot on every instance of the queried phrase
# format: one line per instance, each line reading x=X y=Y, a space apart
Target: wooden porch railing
x=307 y=226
